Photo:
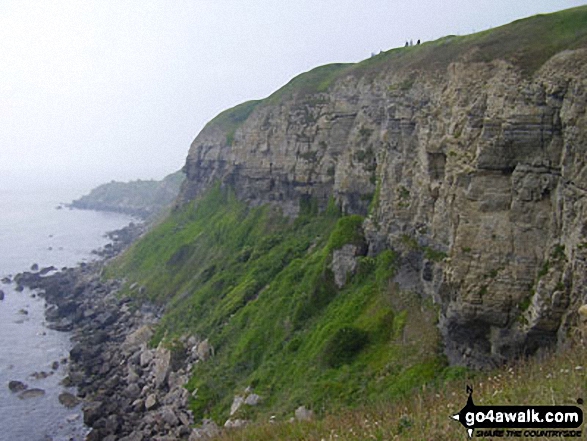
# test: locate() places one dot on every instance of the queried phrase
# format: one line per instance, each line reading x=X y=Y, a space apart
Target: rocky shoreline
x=129 y=390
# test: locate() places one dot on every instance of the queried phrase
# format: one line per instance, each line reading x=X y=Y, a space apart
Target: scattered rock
x=208 y=430
x=35 y=267
x=41 y=375
x=1 y=295
x=73 y=418
x=130 y=392
x=135 y=436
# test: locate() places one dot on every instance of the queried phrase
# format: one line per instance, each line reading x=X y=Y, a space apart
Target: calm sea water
x=32 y=230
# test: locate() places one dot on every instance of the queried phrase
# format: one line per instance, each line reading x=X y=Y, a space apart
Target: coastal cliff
x=372 y=229
x=143 y=199
x=465 y=155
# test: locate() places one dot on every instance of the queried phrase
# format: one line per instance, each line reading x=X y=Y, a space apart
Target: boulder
x=208 y=430
x=68 y=400
x=235 y=424
x=237 y=402
x=73 y=418
x=138 y=337
x=162 y=366
x=134 y=436
x=344 y=263
x=146 y=357
x=151 y=402
x=169 y=417
x=132 y=391
x=16 y=386
x=47 y=270
x=204 y=350
x=303 y=414
x=31 y=393
x=252 y=400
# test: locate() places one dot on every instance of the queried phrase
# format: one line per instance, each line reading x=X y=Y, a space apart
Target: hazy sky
x=110 y=89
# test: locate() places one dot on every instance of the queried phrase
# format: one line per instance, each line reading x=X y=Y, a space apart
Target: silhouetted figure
x=411 y=43
x=407 y=44
x=418 y=41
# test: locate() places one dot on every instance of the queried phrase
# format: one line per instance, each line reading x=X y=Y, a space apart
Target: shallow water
x=32 y=230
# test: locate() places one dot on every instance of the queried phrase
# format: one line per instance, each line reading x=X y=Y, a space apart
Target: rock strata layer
x=473 y=169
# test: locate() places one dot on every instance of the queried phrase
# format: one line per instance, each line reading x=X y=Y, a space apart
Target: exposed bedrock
x=477 y=172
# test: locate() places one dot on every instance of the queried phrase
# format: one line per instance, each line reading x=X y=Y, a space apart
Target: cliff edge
x=467 y=155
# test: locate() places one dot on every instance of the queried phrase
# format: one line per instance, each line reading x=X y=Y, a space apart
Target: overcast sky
x=109 y=89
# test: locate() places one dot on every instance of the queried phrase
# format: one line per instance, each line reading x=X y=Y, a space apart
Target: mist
x=96 y=91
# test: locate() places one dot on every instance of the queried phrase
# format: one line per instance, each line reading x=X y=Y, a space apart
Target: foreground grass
x=555 y=379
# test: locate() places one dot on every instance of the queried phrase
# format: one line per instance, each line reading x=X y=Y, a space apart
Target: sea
x=33 y=230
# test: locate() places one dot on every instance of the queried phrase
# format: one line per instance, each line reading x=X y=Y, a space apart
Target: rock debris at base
x=129 y=391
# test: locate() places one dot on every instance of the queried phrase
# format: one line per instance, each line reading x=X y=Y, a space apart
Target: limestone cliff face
x=475 y=170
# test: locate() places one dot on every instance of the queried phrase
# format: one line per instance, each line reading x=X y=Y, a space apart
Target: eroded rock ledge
x=477 y=165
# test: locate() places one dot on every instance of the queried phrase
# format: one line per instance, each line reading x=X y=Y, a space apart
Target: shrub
x=342 y=347
x=348 y=230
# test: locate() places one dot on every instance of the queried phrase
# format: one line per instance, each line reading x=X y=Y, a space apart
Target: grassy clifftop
x=527 y=44
x=261 y=288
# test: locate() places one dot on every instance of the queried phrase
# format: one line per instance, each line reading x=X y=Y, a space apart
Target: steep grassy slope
x=260 y=287
x=559 y=378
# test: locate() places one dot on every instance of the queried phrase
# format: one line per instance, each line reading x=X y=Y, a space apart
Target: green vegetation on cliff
x=261 y=288
x=558 y=378
x=527 y=43
x=229 y=120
